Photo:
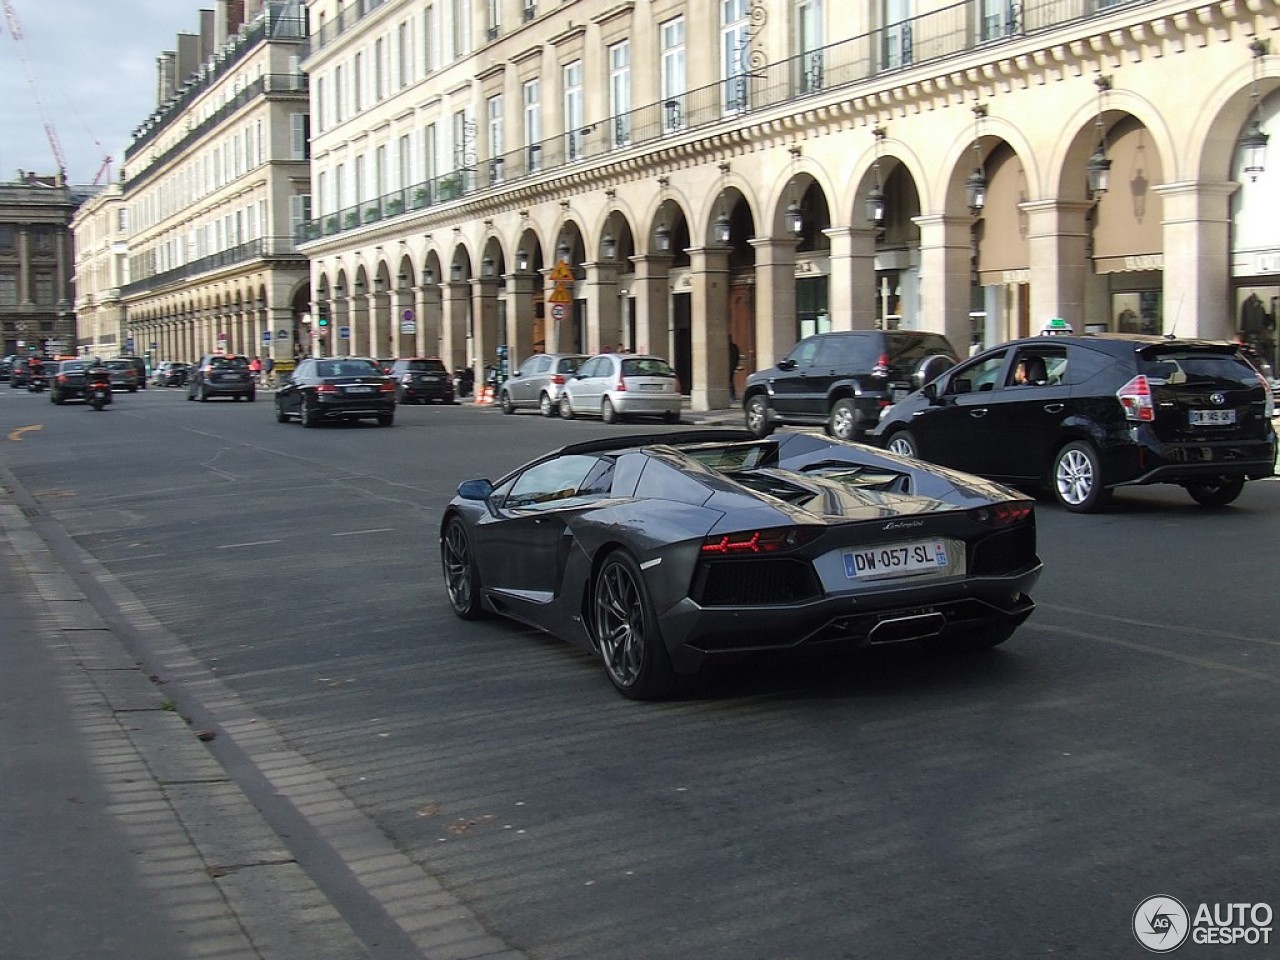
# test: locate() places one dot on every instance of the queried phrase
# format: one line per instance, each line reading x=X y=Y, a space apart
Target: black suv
x=843 y=380
x=419 y=379
x=1085 y=414
x=221 y=375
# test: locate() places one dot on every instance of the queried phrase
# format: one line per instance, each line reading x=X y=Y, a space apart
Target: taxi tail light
x=1003 y=514
x=1135 y=397
x=752 y=542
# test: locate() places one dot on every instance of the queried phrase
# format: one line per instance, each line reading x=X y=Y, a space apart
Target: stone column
x=853 y=290
x=652 y=291
x=1057 y=240
x=710 y=309
x=484 y=327
x=379 y=343
x=775 y=299
x=946 y=246
x=604 y=314
x=520 y=316
x=429 y=328
x=24 y=269
x=403 y=344
x=1197 y=259
x=454 y=311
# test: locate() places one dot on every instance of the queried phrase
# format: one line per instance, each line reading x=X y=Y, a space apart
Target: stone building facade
x=216 y=185
x=101 y=234
x=36 y=312
x=728 y=169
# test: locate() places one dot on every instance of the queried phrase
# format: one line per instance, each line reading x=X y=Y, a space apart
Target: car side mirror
x=475 y=490
x=930 y=390
x=786 y=364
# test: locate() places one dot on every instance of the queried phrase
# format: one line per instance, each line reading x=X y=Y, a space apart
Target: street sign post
x=558 y=312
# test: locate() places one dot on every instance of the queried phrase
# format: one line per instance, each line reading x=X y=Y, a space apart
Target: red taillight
x=388 y=386
x=1135 y=397
x=557 y=379
x=881 y=369
x=326 y=388
x=61 y=378
x=622 y=386
x=1003 y=514
x=758 y=541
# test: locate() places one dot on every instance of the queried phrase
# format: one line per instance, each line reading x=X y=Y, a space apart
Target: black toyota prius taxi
x=1084 y=414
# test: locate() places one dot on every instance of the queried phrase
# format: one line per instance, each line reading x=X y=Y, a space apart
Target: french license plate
x=1212 y=418
x=428 y=379
x=651 y=387
x=359 y=389
x=896 y=560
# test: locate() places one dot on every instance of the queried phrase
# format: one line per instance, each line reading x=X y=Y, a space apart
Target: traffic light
x=322 y=318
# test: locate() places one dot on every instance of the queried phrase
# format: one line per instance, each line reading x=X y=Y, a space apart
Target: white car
x=614 y=386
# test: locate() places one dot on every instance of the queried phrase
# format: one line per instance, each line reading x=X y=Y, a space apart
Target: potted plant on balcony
x=372 y=212
x=331 y=224
x=352 y=219
x=421 y=197
x=395 y=206
x=450 y=186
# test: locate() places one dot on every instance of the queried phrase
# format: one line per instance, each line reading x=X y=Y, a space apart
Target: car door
x=524 y=542
x=1024 y=418
x=953 y=429
x=534 y=374
x=289 y=393
x=587 y=386
x=790 y=389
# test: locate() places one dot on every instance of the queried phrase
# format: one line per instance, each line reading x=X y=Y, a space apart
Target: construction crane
x=15 y=30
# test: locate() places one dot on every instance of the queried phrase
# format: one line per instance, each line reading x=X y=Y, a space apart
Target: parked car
x=667 y=552
x=170 y=373
x=536 y=384
x=124 y=375
x=6 y=367
x=336 y=388
x=615 y=386
x=140 y=365
x=68 y=381
x=843 y=380
x=1096 y=413
x=421 y=379
x=221 y=375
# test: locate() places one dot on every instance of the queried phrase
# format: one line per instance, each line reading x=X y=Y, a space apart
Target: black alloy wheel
x=386 y=419
x=1215 y=493
x=305 y=414
x=625 y=630
x=281 y=416
x=461 y=578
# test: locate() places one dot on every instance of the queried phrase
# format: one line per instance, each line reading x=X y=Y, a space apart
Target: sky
x=94 y=64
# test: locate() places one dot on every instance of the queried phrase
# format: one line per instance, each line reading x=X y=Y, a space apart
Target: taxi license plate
x=1212 y=418
x=896 y=560
x=359 y=389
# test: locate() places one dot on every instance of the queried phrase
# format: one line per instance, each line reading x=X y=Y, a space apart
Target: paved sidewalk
x=143 y=805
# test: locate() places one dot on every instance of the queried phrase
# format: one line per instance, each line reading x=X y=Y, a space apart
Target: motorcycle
x=98 y=392
x=37 y=381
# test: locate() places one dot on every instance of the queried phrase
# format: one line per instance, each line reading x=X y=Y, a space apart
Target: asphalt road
x=1017 y=803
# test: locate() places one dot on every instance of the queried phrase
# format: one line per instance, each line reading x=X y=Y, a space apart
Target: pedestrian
x=268 y=368
x=255 y=368
x=735 y=356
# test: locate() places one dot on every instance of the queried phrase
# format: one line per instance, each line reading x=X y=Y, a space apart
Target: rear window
x=427 y=366
x=348 y=368
x=646 y=367
x=907 y=351
x=1197 y=367
x=229 y=363
x=569 y=364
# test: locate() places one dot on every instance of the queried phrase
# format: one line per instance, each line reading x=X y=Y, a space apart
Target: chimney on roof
x=166 y=81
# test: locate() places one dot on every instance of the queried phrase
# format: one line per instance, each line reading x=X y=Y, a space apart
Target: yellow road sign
x=561 y=273
x=561 y=294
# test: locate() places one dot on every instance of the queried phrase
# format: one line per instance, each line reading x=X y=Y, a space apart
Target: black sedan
x=337 y=388
x=663 y=553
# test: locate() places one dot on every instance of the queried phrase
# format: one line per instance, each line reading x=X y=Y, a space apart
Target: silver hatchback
x=615 y=386
x=536 y=384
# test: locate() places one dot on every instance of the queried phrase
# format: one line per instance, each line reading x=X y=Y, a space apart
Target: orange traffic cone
x=486 y=395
